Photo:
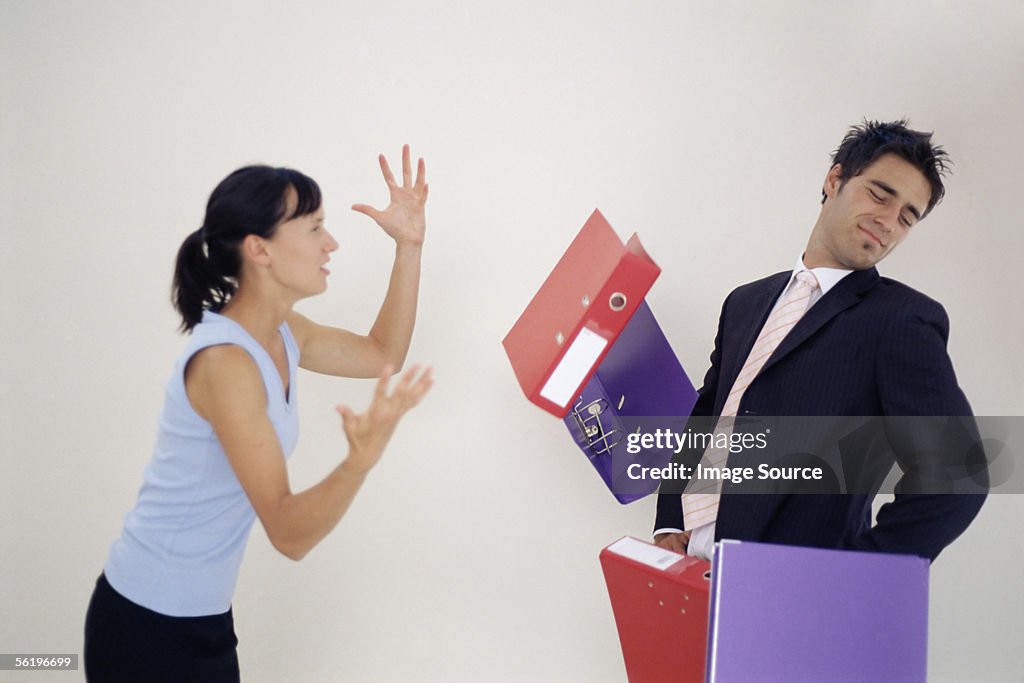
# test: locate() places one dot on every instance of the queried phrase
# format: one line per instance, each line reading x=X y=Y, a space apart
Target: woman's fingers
x=407 y=180
x=406 y=381
x=406 y=167
x=368 y=210
x=421 y=173
x=381 y=392
x=389 y=177
x=422 y=385
x=387 y=407
x=348 y=419
x=412 y=387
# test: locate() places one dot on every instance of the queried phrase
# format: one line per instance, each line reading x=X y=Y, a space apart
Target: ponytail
x=250 y=201
x=197 y=284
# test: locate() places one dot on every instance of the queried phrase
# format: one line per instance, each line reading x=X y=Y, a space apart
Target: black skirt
x=127 y=642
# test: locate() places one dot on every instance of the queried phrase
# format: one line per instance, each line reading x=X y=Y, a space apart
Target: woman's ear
x=254 y=248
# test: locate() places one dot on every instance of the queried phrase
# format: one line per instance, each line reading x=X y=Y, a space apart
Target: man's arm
x=916 y=380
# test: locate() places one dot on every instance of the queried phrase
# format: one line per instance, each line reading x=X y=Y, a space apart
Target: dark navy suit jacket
x=870 y=346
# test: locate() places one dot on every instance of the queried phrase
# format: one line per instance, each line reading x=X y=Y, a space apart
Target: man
x=833 y=338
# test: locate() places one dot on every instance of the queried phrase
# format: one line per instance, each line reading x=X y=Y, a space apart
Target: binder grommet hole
x=661 y=603
x=682 y=610
x=617 y=301
x=707 y=575
x=559 y=338
x=585 y=301
x=650 y=584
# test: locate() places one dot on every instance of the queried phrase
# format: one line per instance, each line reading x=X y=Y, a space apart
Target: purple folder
x=785 y=613
x=639 y=385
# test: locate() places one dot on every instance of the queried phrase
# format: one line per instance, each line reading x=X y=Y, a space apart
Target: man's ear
x=254 y=248
x=833 y=181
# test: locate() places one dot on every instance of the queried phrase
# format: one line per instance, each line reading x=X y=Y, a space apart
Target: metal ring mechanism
x=588 y=420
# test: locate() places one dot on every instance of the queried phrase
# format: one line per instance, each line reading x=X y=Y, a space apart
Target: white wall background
x=471 y=554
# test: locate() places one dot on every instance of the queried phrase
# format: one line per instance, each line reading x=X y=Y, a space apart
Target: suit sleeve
x=931 y=429
x=670 y=509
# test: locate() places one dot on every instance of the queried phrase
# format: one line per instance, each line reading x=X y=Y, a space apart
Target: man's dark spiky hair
x=865 y=143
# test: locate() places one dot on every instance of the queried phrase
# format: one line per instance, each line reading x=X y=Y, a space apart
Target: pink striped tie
x=700 y=502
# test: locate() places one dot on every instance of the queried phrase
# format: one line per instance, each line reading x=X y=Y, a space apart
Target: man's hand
x=404 y=219
x=676 y=542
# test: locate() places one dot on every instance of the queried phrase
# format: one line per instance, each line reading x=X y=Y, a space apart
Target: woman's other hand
x=369 y=432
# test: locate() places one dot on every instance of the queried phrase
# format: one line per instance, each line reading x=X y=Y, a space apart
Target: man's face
x=866 y=216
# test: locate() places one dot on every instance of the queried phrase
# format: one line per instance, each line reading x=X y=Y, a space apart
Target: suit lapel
x=846 y=293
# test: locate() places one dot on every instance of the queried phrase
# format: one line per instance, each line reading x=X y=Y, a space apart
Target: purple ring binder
x=794 y=614
x=639 y=378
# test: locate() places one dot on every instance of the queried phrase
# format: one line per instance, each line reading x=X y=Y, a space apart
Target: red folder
x=577 y=314
x=660 y=601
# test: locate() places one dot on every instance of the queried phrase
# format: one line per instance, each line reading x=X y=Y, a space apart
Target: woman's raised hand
x=404 y=219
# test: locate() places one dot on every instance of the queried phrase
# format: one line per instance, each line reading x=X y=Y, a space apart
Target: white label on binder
x=645 y=553
x=574 y=366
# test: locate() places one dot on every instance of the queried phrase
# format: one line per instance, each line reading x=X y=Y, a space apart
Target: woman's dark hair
x=250 y=201
x=863 y=144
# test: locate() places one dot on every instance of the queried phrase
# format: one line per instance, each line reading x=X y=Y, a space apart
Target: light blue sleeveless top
x=182 y=543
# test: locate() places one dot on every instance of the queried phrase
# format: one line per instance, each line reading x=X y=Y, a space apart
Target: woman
x=161 y=608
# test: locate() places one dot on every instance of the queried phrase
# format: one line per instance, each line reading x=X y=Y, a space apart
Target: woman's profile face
x=299 y=251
